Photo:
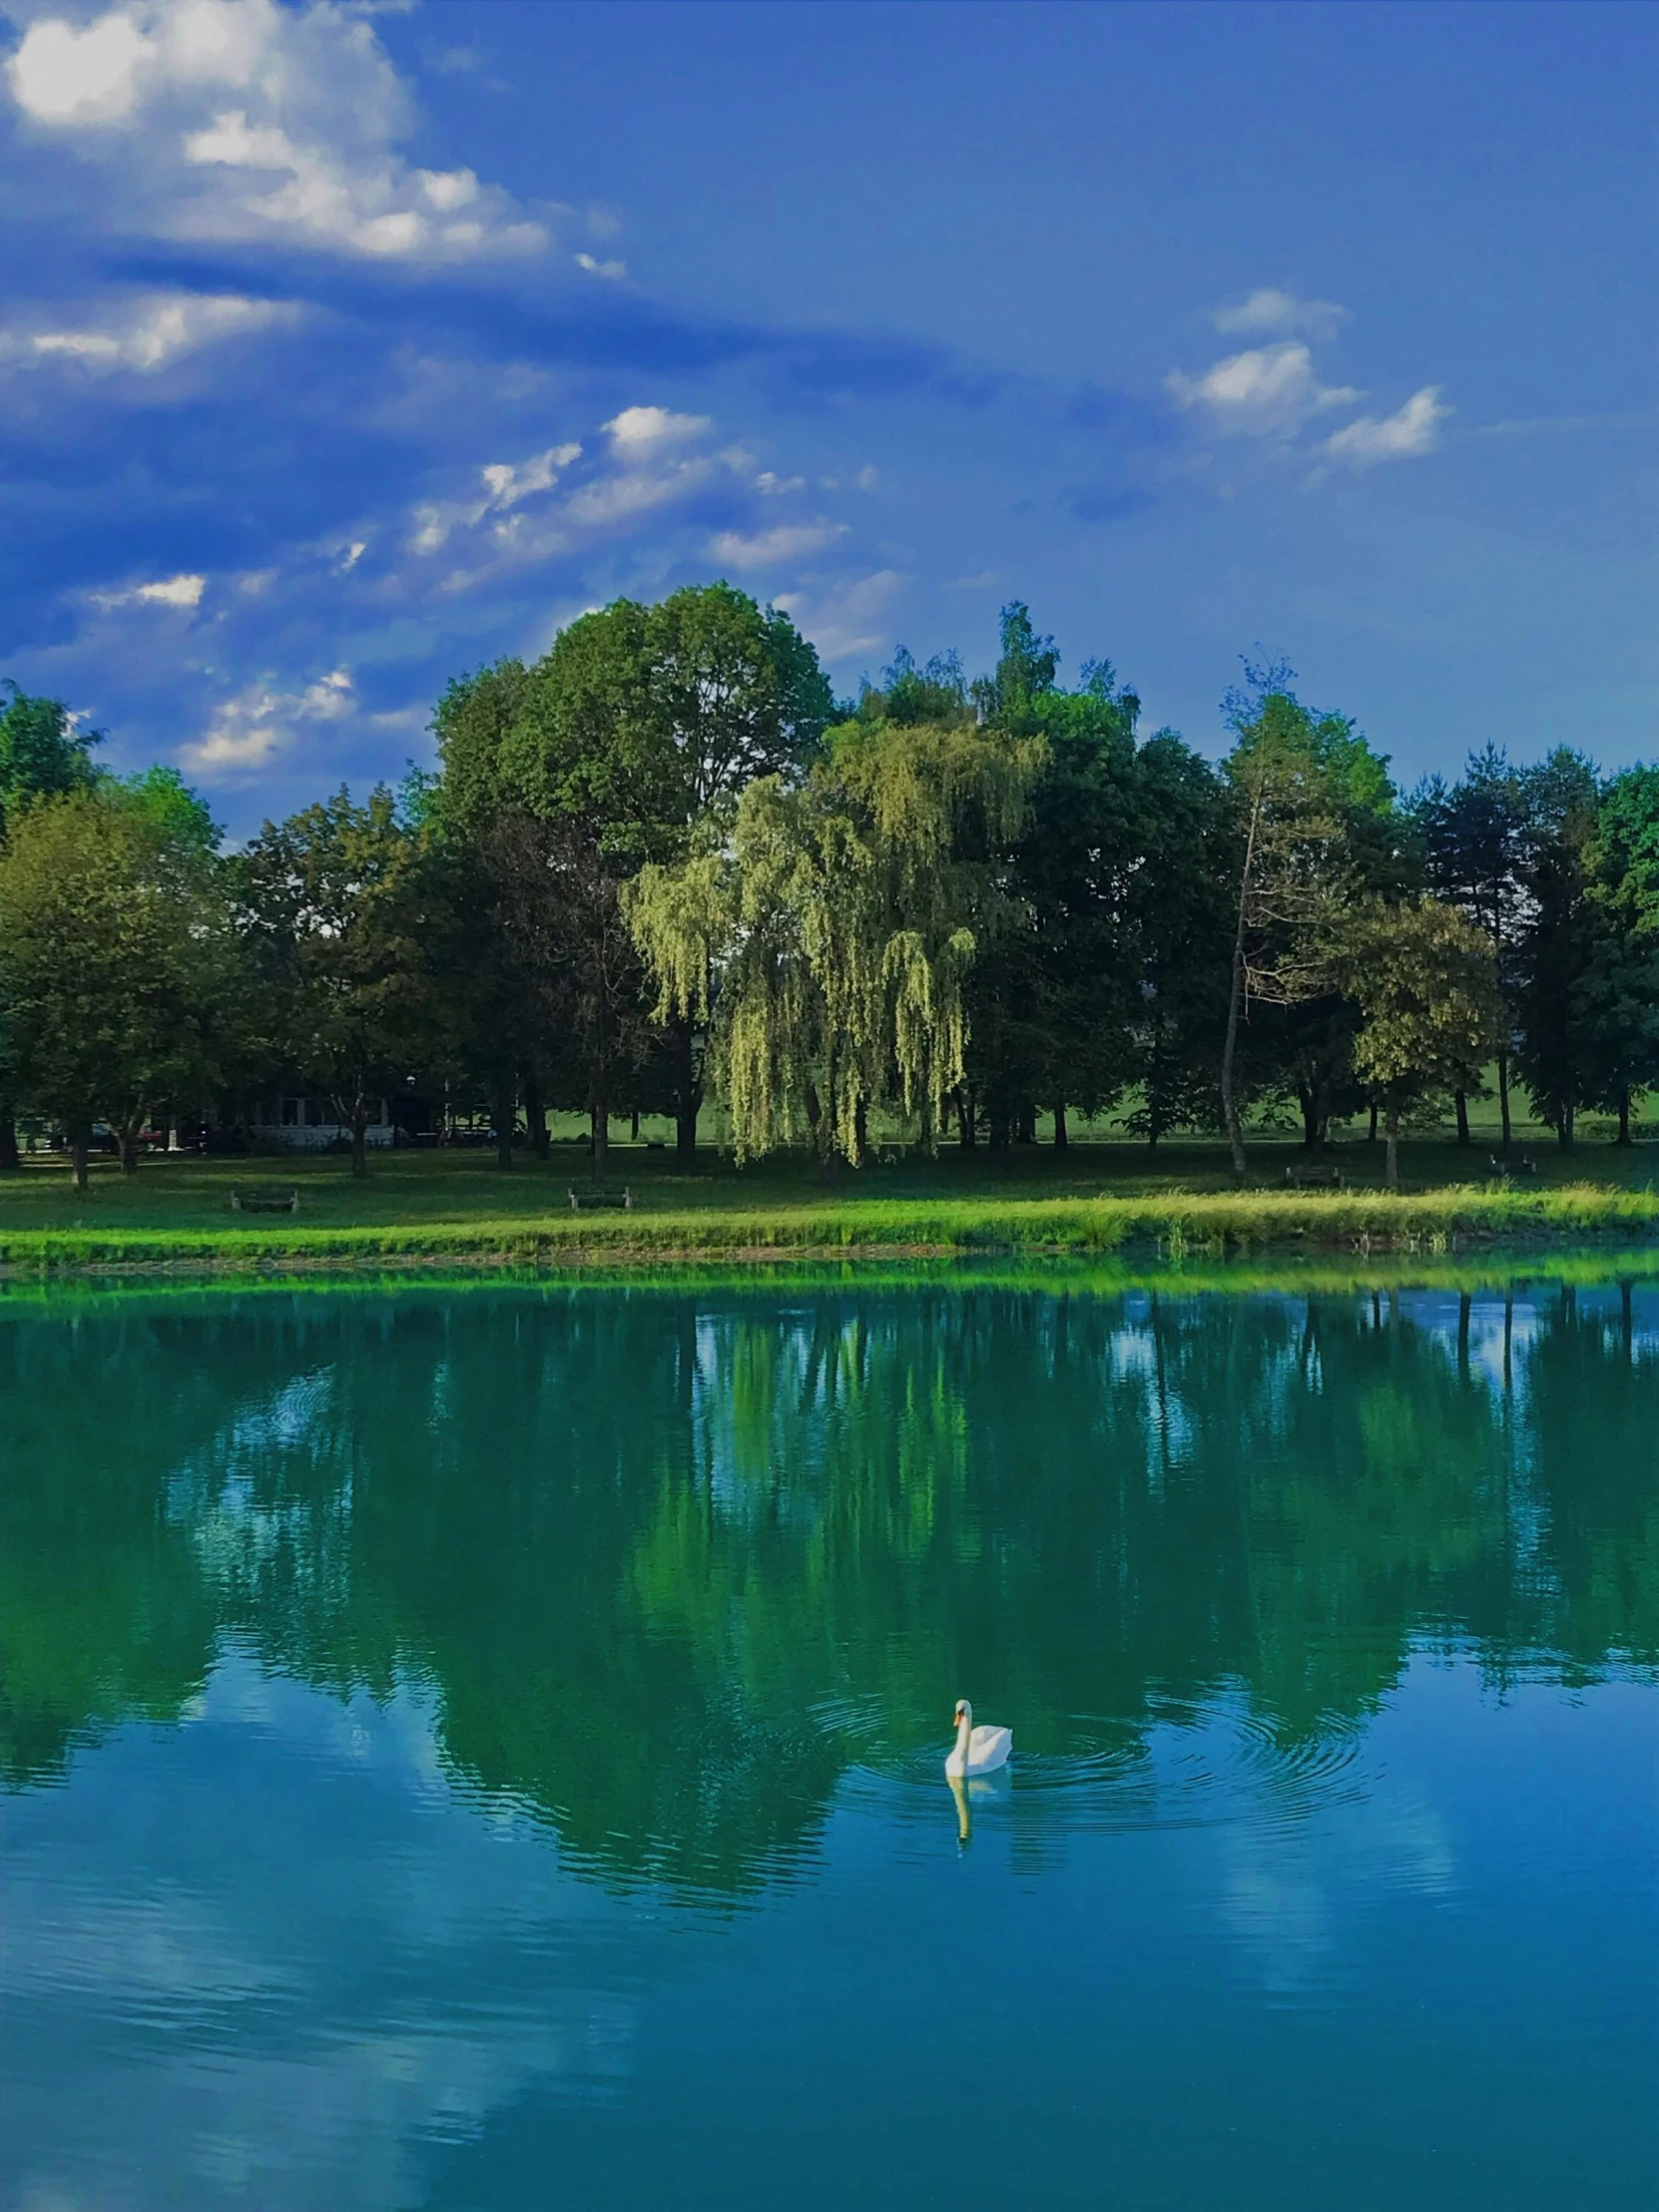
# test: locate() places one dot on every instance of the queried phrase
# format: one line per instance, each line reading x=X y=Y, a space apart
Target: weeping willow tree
x=825 y=929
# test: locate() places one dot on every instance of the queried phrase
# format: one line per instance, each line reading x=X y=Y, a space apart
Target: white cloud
x=506 y=484
x=769 y=547
x=1413 y=429
x=772 y=486
x=847 y=620
x=243 y=119
x=170 y=591
x=259 y=721
x=155 y=330
x=638 y=432
x=63 y=75
x=1270 y=311
x=1270 y=391
x=615 y=270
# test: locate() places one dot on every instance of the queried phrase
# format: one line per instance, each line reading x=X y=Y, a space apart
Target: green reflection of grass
x=1296 y=1274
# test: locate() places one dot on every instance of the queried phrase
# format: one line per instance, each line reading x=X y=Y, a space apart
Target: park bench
x=1507 y=1170
x=1316 y=1178
x=265 y=1198
x=582 y=1202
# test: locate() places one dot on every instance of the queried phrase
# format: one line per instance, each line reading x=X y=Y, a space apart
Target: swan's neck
x=965 y=1729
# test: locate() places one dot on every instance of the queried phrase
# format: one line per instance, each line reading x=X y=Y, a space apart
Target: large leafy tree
x=1180 y=927
x=349 y=919
x=829 y=932
x=1618 y=991
x=632 y=737
x=117 y=960
x=1053 y=1002
x=1309 y=797
x=43 y=754
x=1556 y=1052
x=1426 y=984
x=1475 y=837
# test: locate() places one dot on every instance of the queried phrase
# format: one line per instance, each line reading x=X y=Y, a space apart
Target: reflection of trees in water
x=672 y=1562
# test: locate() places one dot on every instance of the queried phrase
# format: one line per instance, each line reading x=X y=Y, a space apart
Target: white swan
x=978 y=1750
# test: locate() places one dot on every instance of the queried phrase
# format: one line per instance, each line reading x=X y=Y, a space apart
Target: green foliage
x=42 y=753
x=1555 y=1049
x=831 y=931
x=115 y=960
x=1426 y=984
x=1618 y=993
x=349 y=921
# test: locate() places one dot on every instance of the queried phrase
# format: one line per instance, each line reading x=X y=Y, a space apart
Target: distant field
x=1092 y=1196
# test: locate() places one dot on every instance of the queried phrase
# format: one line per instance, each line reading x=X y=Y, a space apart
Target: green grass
x=1094 y=1197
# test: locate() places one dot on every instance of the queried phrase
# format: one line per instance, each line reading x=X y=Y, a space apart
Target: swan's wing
x=988 y=1747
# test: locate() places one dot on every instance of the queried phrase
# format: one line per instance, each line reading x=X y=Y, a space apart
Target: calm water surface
x=484 y=1751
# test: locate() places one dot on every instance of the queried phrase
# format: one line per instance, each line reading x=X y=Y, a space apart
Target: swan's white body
x=978 y=1750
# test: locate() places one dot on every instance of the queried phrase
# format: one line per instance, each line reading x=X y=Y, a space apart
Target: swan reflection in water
x=980 y=1791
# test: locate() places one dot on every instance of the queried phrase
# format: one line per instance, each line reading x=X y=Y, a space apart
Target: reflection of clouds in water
x=247 y=2034
x=1289 y=1895
x=1316 y=1838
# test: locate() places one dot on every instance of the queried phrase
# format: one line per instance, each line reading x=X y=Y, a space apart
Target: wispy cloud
x=770 y=548
x=150 y=333
x=250 y=729
x=170 y=591
x=846 y=619
x=1270 y=312
x=1415 y=428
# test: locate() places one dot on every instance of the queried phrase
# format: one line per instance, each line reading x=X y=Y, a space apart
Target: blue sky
x=345 y=348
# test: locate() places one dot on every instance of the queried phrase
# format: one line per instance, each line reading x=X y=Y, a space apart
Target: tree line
x=663 y=865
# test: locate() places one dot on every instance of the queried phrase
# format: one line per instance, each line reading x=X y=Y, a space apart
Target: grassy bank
x=418 y=1210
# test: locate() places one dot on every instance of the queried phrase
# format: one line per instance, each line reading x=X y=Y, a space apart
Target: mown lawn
x=1090 y=1196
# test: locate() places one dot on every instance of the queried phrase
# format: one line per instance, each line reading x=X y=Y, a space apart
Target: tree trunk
x=1504 y=1099
x=506 y=1105
x=78 y=1161
x=128 y=1141
x=600 y=1121
x=359 y=1145
x=688 y=1097
x=1462 y=1102
x=1563 y=1128
x=9 y=1154
x=1308 y=1098
x=1028 y=1123
x=1235 y=1007
x=1372 y=1137
x=860 y=1132
x=1624 y=1114
x=1228 y=1103
x=1393 y=1147
x=535 y=1117
x=967 y=1119
x=634 y=1126
x=1062 y=1136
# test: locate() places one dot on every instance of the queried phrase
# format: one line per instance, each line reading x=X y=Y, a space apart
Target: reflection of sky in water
x=272 y=1958
x=280 y=1955
x=284 y=1953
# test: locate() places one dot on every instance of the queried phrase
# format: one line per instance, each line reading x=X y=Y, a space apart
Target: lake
x=482 y=1747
